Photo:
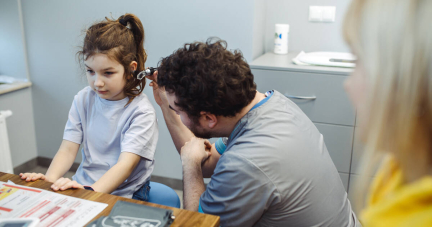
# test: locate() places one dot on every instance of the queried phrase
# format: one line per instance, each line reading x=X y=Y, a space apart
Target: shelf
x=6 y=88
x=271 y=61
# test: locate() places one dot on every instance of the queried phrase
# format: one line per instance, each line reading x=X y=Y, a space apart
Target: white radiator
x=5 y=155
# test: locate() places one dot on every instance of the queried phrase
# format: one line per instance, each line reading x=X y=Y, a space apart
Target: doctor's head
x=204 y=82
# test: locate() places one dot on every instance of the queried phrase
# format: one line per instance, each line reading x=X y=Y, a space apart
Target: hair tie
x=123 y=22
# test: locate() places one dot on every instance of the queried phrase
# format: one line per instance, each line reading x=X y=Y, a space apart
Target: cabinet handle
x=301 y=97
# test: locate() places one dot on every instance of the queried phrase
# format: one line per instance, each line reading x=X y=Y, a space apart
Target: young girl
x=112 y=119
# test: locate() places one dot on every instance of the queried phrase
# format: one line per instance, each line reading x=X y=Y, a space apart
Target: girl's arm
x=118 y=173
x=110 y=180
x=61 y=163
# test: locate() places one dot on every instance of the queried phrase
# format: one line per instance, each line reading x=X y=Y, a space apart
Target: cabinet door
x=357 y=156
x=331 y=104
x=357 y=152
x=338 y=140
x=345 y=180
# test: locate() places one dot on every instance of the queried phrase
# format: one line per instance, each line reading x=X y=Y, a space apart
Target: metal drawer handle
x=301 y=97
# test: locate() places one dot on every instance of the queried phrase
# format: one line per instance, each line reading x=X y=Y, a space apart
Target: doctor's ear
x=210 y=119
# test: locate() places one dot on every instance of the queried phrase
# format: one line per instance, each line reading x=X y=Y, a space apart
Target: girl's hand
x=64 y=184
x=33 y=176
x=158 y=93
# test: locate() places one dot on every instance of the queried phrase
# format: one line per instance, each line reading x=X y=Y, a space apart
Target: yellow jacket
x=392 y=203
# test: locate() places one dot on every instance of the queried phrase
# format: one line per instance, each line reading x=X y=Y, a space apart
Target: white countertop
x=5 y=88
x=271 y=61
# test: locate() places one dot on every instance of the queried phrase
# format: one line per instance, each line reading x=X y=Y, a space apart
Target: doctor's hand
x=195 y=151
x=64 y=184
x=33 y=177
x=158 y=93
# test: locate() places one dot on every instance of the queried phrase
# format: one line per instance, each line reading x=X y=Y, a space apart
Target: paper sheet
x=324 y=59
x=297 y=61
x=51 y=208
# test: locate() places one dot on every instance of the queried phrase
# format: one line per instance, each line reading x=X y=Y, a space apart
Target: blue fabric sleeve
x=220 y=146
x=200 y=208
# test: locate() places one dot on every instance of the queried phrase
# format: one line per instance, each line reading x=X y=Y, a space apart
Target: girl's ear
x=133 y=66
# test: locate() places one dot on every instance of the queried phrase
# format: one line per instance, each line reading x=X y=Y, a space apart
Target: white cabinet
x=320 y=96
x=345 y=179
x=339 y=141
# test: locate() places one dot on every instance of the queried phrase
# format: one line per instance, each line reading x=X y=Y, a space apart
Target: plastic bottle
x=281 y=38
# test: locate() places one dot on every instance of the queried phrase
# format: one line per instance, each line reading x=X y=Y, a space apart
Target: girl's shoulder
x=141 y=103
x=85 y=97
x=85 y=93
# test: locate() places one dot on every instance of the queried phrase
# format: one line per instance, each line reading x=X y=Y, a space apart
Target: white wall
x=21 y=128
x=259 y=29
x=305 y=35
x=53 y=33
x=12 y=61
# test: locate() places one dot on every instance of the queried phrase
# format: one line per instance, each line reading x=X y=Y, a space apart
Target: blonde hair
x=393 y=41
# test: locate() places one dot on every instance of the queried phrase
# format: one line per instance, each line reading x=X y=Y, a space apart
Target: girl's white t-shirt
x=107 y=128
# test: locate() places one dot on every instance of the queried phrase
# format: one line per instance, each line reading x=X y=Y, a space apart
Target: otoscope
x=147 y=72
x=150 y=71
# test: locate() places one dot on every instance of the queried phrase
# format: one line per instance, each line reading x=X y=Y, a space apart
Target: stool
x=163 y=195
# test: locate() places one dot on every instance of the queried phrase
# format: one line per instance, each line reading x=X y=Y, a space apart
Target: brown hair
x=122 y=40
x=208 y=77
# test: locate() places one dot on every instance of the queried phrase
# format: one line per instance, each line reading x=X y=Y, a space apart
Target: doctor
x=271 y=168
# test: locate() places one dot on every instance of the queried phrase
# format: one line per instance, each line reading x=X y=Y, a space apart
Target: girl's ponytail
x=134 y=24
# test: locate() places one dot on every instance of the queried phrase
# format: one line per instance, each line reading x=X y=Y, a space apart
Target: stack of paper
x=52 y=209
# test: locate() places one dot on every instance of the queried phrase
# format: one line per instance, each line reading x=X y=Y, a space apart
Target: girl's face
x=105 y=76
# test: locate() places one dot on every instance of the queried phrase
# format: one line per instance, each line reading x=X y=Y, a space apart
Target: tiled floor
x=40 y=169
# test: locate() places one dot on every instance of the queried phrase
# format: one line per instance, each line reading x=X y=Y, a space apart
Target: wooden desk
x=183 y=217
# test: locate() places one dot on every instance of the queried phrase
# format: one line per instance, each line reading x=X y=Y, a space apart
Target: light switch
x=328 y=13
x=315 y=13
x=322 y=13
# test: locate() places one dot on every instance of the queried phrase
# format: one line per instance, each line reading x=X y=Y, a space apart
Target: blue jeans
x=142 y=193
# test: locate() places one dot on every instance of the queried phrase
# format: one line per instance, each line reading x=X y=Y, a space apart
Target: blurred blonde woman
x=391 y=88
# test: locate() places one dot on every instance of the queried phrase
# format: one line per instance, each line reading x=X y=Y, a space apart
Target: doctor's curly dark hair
x=208 y=77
